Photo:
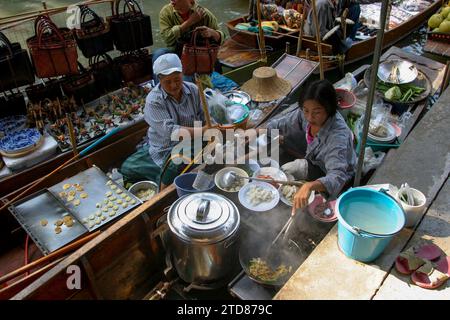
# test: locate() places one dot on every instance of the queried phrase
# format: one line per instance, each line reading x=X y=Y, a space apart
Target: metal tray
x=294 y=69
x=93 y=181
x=30 y=210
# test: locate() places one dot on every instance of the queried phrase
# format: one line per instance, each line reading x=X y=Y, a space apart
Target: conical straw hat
x=265 y=85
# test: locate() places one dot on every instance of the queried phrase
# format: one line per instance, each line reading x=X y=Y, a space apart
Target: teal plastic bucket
x=367 y=222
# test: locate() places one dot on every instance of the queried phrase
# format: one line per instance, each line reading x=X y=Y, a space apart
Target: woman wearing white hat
x=172 y=105
x=317 y=131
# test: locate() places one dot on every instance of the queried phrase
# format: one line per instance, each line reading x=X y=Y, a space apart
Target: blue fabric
x=222 y=83
x=354 y=12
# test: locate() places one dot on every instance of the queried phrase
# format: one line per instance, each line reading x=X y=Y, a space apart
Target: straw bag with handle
x=53 y=50
x=199 y=59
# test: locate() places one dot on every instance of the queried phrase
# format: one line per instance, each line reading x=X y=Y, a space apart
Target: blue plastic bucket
x=367 y=222
x=184 y=182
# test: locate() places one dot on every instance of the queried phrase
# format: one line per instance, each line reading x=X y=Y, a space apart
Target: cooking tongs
x=284 y=230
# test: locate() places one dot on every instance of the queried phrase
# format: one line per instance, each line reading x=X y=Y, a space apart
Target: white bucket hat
x=166 y=64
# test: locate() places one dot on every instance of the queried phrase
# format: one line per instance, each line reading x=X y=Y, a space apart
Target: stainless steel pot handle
x=203 y=209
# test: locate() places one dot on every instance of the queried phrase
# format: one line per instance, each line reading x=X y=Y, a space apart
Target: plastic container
x=413 y=213
x=367 y=222
x=183 y=184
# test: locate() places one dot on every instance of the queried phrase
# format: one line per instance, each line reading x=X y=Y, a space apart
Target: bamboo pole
x=73 y=140
x=446 y=77
x=204 y=103
x=54 y=255
x=370 y=97
x=300 y=34
x=262 y=42
x=319 y=45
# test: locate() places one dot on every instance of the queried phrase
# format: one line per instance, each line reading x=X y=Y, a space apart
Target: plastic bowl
x=346 y=99
x=184 y=182
x=143 y=185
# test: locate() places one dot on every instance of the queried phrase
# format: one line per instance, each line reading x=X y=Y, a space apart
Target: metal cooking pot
x=203 y=237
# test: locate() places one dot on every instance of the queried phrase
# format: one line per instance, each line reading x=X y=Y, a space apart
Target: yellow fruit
x=435 y=21
x=445 y=11
x=445 y=27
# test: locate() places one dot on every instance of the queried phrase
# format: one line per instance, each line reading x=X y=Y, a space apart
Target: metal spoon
x=230 y=177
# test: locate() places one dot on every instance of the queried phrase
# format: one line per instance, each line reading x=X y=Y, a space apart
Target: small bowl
x=318 y=215
x=184 y=184
x=346 y=98
x=143 y=185
x=218 y=179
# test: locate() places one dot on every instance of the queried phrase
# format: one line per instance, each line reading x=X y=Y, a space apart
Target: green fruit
x=436 y=30
x=435 y=21
x=448 y=17
x=445 y=27
x=445 y=11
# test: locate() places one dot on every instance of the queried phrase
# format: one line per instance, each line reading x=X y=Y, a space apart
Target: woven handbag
x=199 y=59
x=94 y=36
x=53 y=50
x=131 y=29
x=15 y=65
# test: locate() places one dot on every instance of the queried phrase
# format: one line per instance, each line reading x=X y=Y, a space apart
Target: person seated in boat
x=177 y=21
x=354 y=11
x=326 y=16
x=319 y=133
x=172 y=105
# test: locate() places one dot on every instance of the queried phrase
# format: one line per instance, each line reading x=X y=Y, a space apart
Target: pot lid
x=203 y=217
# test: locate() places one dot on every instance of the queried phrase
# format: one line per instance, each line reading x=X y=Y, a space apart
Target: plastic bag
x=350 y=82
x=372 y=159
x=380 y=117
x=235 y=112
x=217 y=106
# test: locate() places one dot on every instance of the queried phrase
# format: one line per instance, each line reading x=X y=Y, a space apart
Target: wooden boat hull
x=250 y=39
x=365 y=48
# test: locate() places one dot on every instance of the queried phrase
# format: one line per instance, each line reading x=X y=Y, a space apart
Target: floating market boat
x=402 y=23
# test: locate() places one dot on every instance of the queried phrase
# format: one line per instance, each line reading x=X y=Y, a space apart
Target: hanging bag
x=12 y=103
x=94 y=36
x=199 y=59
x=81 y=86
x=135 y=66
x=15 y=65
x=53 y=50
x=106 y=73
x=131 y=29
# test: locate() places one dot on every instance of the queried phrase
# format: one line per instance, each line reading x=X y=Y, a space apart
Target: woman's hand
x=301 y=197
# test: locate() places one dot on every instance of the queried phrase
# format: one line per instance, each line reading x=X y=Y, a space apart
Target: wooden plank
x=437 y=47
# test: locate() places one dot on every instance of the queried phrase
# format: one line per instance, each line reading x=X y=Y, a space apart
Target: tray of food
x=93 y=198
x=48 y=222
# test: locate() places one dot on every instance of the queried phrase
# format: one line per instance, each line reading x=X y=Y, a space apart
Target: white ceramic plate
x=263 y=206
x=287 y=202
x=275 y=173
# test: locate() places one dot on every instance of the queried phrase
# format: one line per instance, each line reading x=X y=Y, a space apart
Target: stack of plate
x=390 y=136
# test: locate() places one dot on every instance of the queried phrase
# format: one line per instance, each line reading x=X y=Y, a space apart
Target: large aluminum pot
x=203 y=237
